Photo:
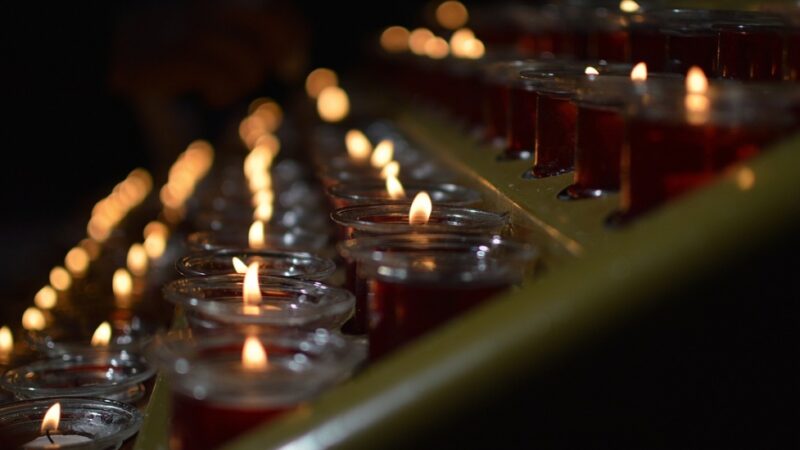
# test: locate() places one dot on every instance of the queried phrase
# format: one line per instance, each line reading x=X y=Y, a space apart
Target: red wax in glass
x=555 y=135
x=203 y=425
x=610 y=45
x=648 y=45
x=495 y=104
x=401 y=312
x=522 y=121
x=665 y=160
x=687 y=50
x=358 y=286
x=598 y=149
x=793 y=55
x=750 y=53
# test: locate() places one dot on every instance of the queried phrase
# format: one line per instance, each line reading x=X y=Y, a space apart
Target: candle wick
x=47 y=433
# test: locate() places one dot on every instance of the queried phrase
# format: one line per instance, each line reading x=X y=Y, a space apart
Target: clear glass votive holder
x=86 y=423
x=216 y=302
x=215 y=398
x=113 y=375
x=411 y=284
x=290 y=240
x=275 y=263
x=73 y=335
x=374 y=192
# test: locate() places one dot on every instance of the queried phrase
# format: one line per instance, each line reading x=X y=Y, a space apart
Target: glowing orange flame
x=639 y=72
x=421 y=209
x=102 y=335
x=390 y=170
x=6 y=340
x=333 y=105
x=629 y=6
x=395 y=188
x=77 y=261
x=263 y=212
x=52 y=418
x=591 y=71
x=137 y=260
x=417 y=40
x=383 y=154
x=238 y=265
x=263 y=196
x=154 y=245
x=437 y=48
x=33 y=319
x=251 y=292
x=452 y=14
x=255 y=236
x=122 y=284
x=474 y=49
x=60 y=278
x=394 y=39
x=254 y=356
x=696 y=102
x=696 y=81
x=46 y=298
x=318 y=80
x=358 y=146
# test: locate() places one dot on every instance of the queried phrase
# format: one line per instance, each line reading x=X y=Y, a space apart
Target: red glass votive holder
x=217 y=302
x=215 y=398
x=374 y=192
x=672 y=149
x=496 y=100
x=751 y=51
x=303 y=266
x=419 y=282
x=691 y=39
x=792 y=68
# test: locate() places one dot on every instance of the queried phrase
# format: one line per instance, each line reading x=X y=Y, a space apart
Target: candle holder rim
x=352 y=216
x=209 y=241
x=350 y=191
x=326 y=267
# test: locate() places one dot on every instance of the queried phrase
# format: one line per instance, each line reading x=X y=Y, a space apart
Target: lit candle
x=102 y=335
x=251 y=293
x=358 y=146
x=395 y=188
x=52 y=438
x=420 y=211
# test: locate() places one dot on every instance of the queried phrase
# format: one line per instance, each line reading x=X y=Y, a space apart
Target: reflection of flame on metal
x=254 y=356
x=421 y=208
x=45 y=298
x=102 y=335
x=33 y=319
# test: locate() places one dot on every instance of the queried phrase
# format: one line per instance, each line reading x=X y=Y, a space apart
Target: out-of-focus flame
x=696 y=81
x=122 y=284
x=268 y=111
x=395 y=188
x=45 y=298
x=591 y=71
x=696 y=102
x=263 y=196
x=394 y=39
x=77 y=261
x=474 y=49
x=255 y=236
x=238 y=265
x=137 y=260
x=6 y=340
x=383 y=154
x=639 y=72
x=358 y=146
x=745 y=178
x=51 y=419
x=254 y=356
x=421 y=208
x=417 y=40
x=459 y=39
x=33 y=319
x=391 y=170
x=60 y=278
x=629 y=6
x=155 y=227
x=333 y=105
x=452 y=15
x=102 y=335
x=263 y=212
x=437 y=48
x=251 y=291
x=319 y=79
x=92 y=248
x=154 y=245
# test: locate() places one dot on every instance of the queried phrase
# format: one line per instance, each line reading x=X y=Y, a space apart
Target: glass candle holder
x=792 y=66
x=393 y=219
x=496 y=98
x=281 y=222
x=86 y=424
x=72 y=335
x=673 y=148
x=304 y=266
x=751 y=48
x=415 y=283
x=422 y=171
x=215 y=398
x=374 y=192
x=289 y=240
x=691 y=39
x=647 y=43
x=218 y=302
x=114 y=375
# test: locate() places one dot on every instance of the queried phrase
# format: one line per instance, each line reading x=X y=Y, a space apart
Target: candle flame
x=639 y=72
x=452 y=14
x=417 y=40
x=33 y=319
x=629 y=6
x=474 y=49
x=394 y=39
x=51 y=418
x=238 y=265
x=696 y=81
x=591 y=71
x=155 y=227
x=155 y=245
x=263 y=212
x=395 y=188
x=251 y=292
x=60 y=278
x=102 y=335
x=137 y=260
x=254 y=356
x=6 y=340
x=390 y=170
x=46 y=298
x=358 y=146
x=421 y=209
x=383 y=154
x=437 y=48
x=255 y=236
x=318 y=80
x=263 y=196
x=77 y=261
x=122 y=284
x=333 y=105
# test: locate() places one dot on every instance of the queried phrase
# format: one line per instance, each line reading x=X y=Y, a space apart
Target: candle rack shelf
x=595 y=277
